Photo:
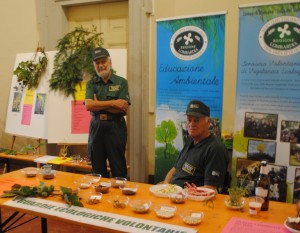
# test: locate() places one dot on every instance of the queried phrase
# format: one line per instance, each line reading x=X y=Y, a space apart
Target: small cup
x=76 y=159
x=46 y=169
x=255 y=205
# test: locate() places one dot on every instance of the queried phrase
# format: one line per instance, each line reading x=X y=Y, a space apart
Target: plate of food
x=164 y=190
x=292 y=224
x=199 y=193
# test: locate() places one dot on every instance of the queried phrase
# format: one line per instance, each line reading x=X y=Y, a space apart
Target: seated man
x=204 y=159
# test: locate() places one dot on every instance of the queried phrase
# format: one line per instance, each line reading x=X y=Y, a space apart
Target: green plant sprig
x=30 y=72
x=73 y=59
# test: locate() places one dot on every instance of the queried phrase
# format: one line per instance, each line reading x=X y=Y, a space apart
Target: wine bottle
x=262 y=187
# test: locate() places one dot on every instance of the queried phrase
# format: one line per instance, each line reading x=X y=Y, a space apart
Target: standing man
x=203 y=160
x=107 y=99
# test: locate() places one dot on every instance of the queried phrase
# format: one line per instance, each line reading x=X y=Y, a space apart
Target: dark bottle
x=262 y=187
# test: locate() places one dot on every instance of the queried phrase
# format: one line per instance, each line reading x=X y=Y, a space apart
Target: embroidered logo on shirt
x=215 y=173
x=114 y=88
x=188 y=168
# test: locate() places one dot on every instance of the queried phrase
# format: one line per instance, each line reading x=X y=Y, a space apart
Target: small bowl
x=118 y=201
x=92 y=198
x=140 y=206
x=30 y=172
x=165 y=211
x=83 y=182
x=130 y=188
x=192 y=217
x=103 y=187
x=178 y=198
x=95 y=178
x=238 y=205
x=117 y=182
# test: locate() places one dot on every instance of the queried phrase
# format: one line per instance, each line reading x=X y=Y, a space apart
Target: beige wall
x=19 y=34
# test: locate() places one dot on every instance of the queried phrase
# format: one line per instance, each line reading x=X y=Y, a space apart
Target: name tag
x=188 y=168
x=114 y=88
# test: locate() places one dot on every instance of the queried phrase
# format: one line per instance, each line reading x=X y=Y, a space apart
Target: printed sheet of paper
x=237 y=225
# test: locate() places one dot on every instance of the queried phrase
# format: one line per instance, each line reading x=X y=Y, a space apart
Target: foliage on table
x=74 y=59
x=70 y=197
x=29 y=73
x=30 y=148
x=42 y=190
x=8 y=151
x=18 y=191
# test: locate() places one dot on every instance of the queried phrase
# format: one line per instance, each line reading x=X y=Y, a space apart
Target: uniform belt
x=109 y=117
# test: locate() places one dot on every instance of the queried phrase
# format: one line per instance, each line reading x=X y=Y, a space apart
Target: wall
x=21 y=36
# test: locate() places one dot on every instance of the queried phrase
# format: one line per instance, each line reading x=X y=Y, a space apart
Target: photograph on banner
x=16 y=102
x=290 y=131
x=261 y=150
x=296 y=192
x=294 y=154
x=190 y=66
x=278 y=187
x=260 y=125
x=247 y=172
x=267 y=76
x=40 y=104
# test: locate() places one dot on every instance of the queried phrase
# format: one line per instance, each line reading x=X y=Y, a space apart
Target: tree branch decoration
x=30 y=72
x=74 y=59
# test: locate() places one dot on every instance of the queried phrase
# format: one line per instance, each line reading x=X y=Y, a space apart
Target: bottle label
x=259 y=191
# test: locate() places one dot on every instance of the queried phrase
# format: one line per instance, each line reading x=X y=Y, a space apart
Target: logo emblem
x=281 y=36
x=188 y=43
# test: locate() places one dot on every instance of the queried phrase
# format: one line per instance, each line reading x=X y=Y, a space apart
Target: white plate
x=164 y=190
x=290 y=229
x=202 y=197
x=228 y=204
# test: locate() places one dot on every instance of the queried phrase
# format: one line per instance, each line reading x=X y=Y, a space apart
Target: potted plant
x=236 y=195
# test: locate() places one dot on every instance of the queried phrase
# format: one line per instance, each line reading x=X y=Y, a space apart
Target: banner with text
x=267 y=118
x=103 y=220
x=190 y=65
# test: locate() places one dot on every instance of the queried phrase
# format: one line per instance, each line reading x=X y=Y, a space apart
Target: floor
x=34 y=226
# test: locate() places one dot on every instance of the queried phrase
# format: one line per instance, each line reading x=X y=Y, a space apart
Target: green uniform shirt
x=202 y=164
x=115 y=88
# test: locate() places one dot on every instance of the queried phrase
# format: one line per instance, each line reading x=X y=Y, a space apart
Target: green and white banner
x=95 y=218
x=267 y=117
x=190 y=65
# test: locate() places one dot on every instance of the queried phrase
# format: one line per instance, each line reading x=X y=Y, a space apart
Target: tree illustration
x=260 y=148
x=166 y=133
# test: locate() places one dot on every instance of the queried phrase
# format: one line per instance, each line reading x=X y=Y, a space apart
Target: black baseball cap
x=198 y=109
x=100 y=53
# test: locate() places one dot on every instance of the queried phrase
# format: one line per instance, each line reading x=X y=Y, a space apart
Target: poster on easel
x=27 y=113
x=268 y=91
x=68 y=119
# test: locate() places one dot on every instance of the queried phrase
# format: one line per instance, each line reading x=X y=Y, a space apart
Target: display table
x=217 y=215
x=30 y=158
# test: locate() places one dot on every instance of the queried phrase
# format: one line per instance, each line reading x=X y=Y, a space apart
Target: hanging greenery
x=29 y=72
x=74 y=59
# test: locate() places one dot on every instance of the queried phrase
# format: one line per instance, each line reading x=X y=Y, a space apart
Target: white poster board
x=59 y=108
x=26 y=114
